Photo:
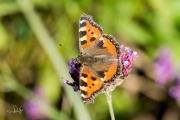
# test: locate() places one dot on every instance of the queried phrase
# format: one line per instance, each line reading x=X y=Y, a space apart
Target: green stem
x=109 y=100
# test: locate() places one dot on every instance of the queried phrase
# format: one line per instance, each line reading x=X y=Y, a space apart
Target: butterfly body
x=100 y=65
x=88 y=60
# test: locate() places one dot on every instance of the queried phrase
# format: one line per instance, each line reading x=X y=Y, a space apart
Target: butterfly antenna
x=67 y=73
x=64 y=76
x=66 y=49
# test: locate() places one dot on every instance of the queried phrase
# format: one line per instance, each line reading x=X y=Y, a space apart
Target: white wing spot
x=82 y=95
x=81 y=21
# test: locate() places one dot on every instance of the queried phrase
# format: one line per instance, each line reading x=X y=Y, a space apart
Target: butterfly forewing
x=89 y=33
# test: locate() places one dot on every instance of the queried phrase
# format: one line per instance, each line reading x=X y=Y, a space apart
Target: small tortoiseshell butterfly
x=99 y=67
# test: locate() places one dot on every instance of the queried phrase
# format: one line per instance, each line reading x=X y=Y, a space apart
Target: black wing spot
x=100 y=44
x=82 y=34
x=84 y=75
x=82 y=83
x=101 y=74
x=92 y=32
x=93 y=84
x=83 y=92
x=92 y=39
x=83 y=42
x=93 y=78
x=82 y=24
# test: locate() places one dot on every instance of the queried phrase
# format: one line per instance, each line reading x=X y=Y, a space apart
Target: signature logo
x=16 y=110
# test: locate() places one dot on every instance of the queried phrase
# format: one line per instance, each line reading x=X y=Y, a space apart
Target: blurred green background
x=32 y=63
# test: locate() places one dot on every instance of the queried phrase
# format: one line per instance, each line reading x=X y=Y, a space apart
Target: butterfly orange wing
x=90 y=85
x=89 y=33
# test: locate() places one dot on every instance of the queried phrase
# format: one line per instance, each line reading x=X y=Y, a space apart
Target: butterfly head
x=77 y=60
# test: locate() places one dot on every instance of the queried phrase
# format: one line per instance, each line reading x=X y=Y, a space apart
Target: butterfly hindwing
x=107 y=48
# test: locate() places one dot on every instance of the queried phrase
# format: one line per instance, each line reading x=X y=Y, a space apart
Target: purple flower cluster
x=34 y=106
x=164 y=67
x=126 y=58
x=74 y=72
x=174 y=91
x=166 y=72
